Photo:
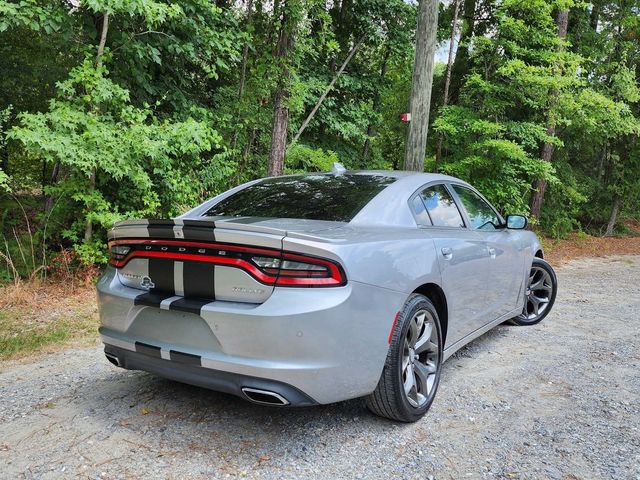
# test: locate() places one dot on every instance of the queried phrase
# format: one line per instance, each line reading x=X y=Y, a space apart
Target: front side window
x=441 y=207
x=481 y=215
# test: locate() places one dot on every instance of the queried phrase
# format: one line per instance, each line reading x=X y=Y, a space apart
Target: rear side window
x=441 y=207
x=314 y=197
x=420 y=211
x=481 y=215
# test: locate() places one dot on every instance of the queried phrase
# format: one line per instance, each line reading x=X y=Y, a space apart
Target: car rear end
x=245 y=306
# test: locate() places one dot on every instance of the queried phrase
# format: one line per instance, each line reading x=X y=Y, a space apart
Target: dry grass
x=580 y=245
x=40 y=316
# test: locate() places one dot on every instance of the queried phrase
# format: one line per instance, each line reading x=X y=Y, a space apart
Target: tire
x=538 y=301
x=424 y=364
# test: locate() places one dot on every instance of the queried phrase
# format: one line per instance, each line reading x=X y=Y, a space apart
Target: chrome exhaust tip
x=264 y=397
x=113 y=359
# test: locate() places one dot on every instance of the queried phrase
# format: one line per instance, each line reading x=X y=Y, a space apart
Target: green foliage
x=181 y=107
x=92 y=127
x=493 y=156
x=301 y=158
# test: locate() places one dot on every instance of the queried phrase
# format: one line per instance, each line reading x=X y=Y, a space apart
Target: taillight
x=302 y=270
x=268 y=266
x=117 y=253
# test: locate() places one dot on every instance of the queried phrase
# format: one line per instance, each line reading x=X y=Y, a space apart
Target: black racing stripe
x=161 y=274
x=198 y=280
x=203 y=234
x=147 y=349
x=150 y=299
x=160 y=228
x=198 y=223
x=161 y=221
x=183 y=357
x=189 y=305
x=160 y=231
x=248 y=220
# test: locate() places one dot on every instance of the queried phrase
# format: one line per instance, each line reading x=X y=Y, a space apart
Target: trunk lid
x=194 y=262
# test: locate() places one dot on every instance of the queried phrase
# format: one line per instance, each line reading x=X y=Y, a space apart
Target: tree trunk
x=461 y=62
x=371 y=131
x=103 y=39
x=278 y=134
x=245 y=52
x=546 y=152
x=426 y=36
x=48 y=201
x=447 y=78
x=281 y=109
x=4 y=152
x=243 y=70
x=327 y=90
x=614 y=216
x=594 y=18
x=88 y=229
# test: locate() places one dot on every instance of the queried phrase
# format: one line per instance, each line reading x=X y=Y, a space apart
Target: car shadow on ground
x=151 y=407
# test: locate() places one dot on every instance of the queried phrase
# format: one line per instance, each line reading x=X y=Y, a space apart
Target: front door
x=505 y=273
x=463 y=259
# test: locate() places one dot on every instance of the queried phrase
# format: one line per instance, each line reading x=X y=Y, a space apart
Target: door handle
x=447 y=253
x=492 y=252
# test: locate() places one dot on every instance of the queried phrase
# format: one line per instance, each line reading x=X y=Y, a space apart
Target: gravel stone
x=559 y=400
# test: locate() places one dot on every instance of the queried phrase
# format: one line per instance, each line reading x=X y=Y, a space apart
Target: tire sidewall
x=539 y=262
x=414 y=303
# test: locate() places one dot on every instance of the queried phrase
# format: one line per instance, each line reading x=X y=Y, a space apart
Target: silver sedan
x=312 y=289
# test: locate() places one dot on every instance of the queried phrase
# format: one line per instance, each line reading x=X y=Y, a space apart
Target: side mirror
x=516 y=222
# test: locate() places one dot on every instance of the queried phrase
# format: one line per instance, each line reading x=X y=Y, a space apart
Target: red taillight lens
x=305 y=270
x=268 y=266
x=117 y=253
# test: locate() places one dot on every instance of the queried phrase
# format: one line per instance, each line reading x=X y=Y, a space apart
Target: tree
x=419 y=105
x=540 y=185
x=447 y=79
x=284 y=45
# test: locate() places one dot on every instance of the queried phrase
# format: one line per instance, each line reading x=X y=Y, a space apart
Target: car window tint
x=314 y=197
x=481 y=215
x=441 y=207
x=422 y=217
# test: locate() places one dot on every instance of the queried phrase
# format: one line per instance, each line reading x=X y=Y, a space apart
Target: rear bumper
x=326 y=344
x=220 y=381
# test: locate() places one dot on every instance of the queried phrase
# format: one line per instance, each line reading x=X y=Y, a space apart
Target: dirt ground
x=559 y=400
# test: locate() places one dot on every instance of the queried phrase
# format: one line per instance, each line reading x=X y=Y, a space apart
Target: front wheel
x=540 y=294
x=411 y=373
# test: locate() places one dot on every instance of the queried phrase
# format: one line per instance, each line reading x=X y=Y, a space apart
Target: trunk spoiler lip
x=191 y=222
x=221 y=225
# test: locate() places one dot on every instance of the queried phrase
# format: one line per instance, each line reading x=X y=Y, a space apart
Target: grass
x=36 y=317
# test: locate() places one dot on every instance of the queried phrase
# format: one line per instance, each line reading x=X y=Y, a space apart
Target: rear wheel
x=411 y=374
x=540 y=294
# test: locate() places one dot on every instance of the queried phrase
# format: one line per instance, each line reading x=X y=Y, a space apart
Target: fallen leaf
x=144 y=411
x=264 y=458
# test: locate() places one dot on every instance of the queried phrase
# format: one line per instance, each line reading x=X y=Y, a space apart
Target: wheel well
x=434 y=293
x=539 y=254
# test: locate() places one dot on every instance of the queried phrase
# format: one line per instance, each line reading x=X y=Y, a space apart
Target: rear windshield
x=315 y=197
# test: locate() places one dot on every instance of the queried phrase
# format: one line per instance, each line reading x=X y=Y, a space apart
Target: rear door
x=462 y=255
x=505 y=268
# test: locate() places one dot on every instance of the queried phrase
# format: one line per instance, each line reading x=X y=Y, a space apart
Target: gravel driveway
x=558 y=400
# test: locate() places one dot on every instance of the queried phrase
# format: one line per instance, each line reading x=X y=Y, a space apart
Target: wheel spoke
x=412 y=334
x=423 y=370
x=409 y=381
x=424 y=343
x=420 y=318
